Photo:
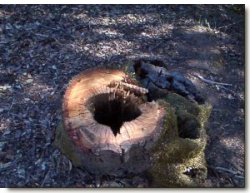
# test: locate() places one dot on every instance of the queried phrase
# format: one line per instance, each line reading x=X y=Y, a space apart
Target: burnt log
x=159 y=81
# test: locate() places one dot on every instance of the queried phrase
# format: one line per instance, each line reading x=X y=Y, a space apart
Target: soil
x=43 y=46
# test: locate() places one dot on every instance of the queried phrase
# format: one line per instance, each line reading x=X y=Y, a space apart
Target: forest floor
x=42 y=47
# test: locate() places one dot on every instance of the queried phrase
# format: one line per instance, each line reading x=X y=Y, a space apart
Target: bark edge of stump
x=95 y=146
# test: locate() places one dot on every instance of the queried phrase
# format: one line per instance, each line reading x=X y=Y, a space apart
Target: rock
x=28 y=81
x=26 y=99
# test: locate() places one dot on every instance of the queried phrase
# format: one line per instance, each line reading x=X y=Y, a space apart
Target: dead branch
x=210 y=81
x=226 y=170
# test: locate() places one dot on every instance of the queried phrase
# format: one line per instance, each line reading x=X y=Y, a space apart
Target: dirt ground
x=42 y=47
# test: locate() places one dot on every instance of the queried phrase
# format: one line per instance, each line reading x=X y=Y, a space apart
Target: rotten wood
x=158 y=79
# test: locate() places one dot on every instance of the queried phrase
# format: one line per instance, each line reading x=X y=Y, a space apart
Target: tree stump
x=109 y=126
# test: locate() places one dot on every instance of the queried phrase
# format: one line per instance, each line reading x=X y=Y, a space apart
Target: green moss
x=170 y=122
x=63 y=142
x=180 y=161
x=181 y=103
x=188 y=125
x=205 y=111
x=179 y=150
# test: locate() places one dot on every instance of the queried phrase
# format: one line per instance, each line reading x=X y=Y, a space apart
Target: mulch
x=43 y=46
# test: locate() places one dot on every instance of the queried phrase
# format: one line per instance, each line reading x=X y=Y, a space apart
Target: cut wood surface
x=96 y=96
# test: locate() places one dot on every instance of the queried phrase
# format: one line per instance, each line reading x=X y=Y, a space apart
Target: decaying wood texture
x=109 y=122
x=160 y=82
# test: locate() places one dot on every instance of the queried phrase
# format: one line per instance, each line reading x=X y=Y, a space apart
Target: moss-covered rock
x=178 y=159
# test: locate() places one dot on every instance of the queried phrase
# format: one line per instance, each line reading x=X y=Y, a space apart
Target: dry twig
x=236 y=174
x=210 y=81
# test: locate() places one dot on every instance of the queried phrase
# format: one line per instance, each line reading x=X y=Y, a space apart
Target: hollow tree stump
x=109 y=126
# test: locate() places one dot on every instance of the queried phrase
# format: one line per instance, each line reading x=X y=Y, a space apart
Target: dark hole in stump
x=188 y=127
x=113 y=110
